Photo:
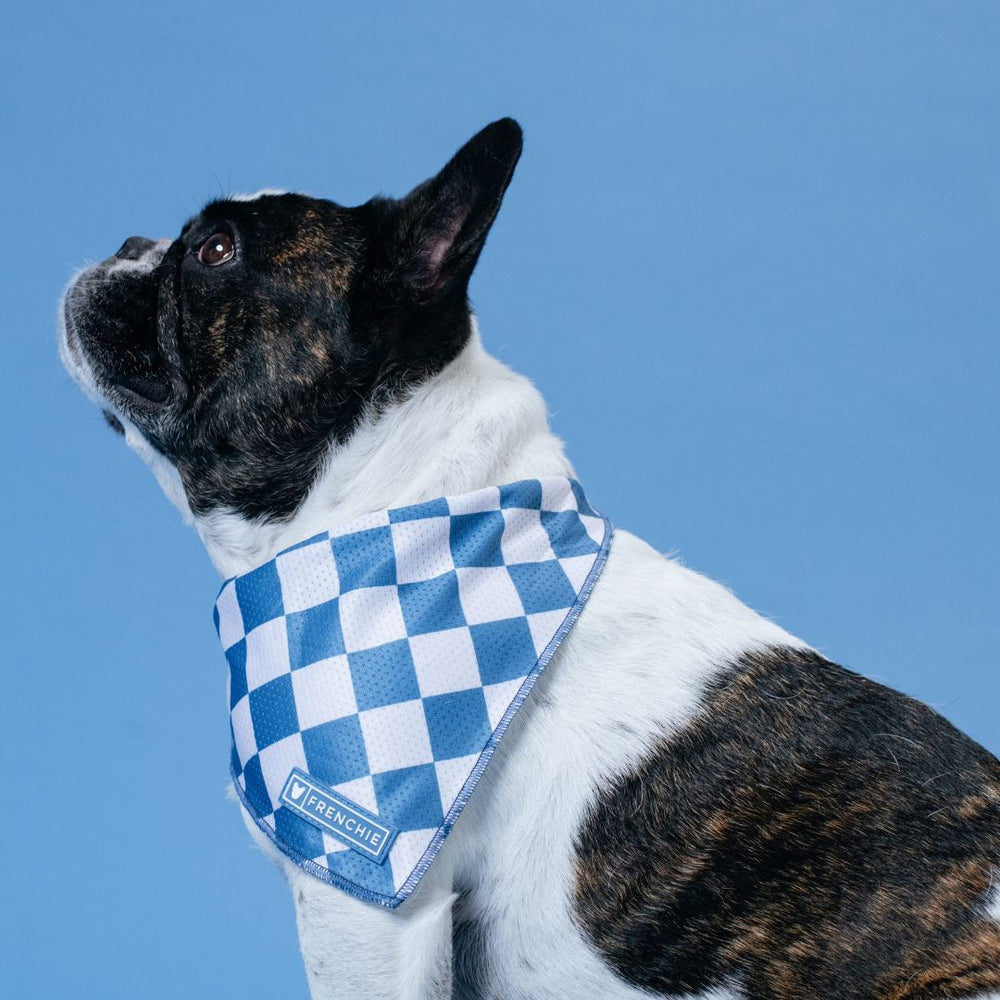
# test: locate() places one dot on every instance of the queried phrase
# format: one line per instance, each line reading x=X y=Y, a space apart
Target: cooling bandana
x=374 y=668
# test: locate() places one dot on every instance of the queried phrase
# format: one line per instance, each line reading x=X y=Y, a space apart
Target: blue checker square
x=298 y=834
x=255 y=787
x=362 y=871
x=384 y=675
x=582 y=504
x=542 y=586
x=365 y=559
x=259 y=596
x=419 y=511
x=431 y=605
x=335 y=751
x=458 y=723
x=409 y=798
x=237 y=657
x=504 y=649
x=272 y=710
x=567 y=536
x=314 y=634
x=527 y=494
x=475 y=538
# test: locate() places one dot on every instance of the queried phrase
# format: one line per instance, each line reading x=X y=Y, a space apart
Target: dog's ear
x=434 y=236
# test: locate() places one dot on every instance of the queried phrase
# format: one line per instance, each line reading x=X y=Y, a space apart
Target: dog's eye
x=217 y=249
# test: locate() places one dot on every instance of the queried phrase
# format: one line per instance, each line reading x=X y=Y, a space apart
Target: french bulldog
x=692 y=802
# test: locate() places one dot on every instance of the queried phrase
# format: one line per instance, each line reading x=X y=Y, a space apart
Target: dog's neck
x=474 y=424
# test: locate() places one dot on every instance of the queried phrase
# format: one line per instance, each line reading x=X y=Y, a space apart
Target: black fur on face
x=261 y=335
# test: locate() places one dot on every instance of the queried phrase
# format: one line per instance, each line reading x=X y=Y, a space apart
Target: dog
x=690 y=802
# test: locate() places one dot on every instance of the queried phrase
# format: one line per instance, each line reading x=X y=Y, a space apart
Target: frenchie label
x=319 y=804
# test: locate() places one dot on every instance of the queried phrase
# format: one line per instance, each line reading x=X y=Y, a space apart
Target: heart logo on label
x=297 y=790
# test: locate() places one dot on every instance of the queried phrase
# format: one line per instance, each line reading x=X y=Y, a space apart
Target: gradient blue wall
x=750 y=256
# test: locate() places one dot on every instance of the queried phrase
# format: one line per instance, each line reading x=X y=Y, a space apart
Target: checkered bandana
x=374 y=668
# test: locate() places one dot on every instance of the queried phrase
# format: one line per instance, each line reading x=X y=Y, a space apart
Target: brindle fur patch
x=811 y=834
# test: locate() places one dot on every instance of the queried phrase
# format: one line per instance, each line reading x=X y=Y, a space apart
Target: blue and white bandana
x=373 y=669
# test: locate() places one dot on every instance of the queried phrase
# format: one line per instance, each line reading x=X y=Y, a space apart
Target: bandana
x=374 y=668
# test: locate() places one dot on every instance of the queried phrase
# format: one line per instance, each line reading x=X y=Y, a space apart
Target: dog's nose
x=134 y=247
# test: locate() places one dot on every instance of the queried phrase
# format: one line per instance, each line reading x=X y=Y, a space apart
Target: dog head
x=239 y=353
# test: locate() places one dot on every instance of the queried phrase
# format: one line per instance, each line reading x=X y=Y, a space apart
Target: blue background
x=750 y=256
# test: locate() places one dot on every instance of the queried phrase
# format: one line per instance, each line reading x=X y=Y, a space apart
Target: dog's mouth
x=145 y=390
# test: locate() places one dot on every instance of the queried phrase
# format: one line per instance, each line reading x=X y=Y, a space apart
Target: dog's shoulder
x=645 y=599
x=807 y=833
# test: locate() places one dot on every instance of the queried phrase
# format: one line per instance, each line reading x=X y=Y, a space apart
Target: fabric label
x=323 y=807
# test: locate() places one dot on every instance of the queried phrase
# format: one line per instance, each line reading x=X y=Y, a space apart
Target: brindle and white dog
x=692 y=803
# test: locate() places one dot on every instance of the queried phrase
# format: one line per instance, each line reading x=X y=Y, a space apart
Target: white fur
x=262 y=193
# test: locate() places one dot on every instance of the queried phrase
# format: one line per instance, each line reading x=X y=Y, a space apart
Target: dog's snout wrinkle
x=134 y=248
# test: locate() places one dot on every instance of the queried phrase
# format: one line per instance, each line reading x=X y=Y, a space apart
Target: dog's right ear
x=432 y=238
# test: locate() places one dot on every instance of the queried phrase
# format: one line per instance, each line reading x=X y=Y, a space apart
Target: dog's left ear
x=437 y=232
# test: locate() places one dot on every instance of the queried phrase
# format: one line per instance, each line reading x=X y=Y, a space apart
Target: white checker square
x=396 y=736
x=230 y=616
x=475 y=503
x=246 y=745
x=267 y=653
x=451 y=776
x=360 y=791
x=423 y=549
x=277 y=760
x=498 y=698
x=332 y=846
x=376 y=519
x=445 y=661
x=544 y=626
x=308 y=576
x=407 y=850
x=323 y=692
x=524 y=539
x=371 y=617
x=557 y=495
x=577 y=568
x=487 y=594
x=594 y=526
